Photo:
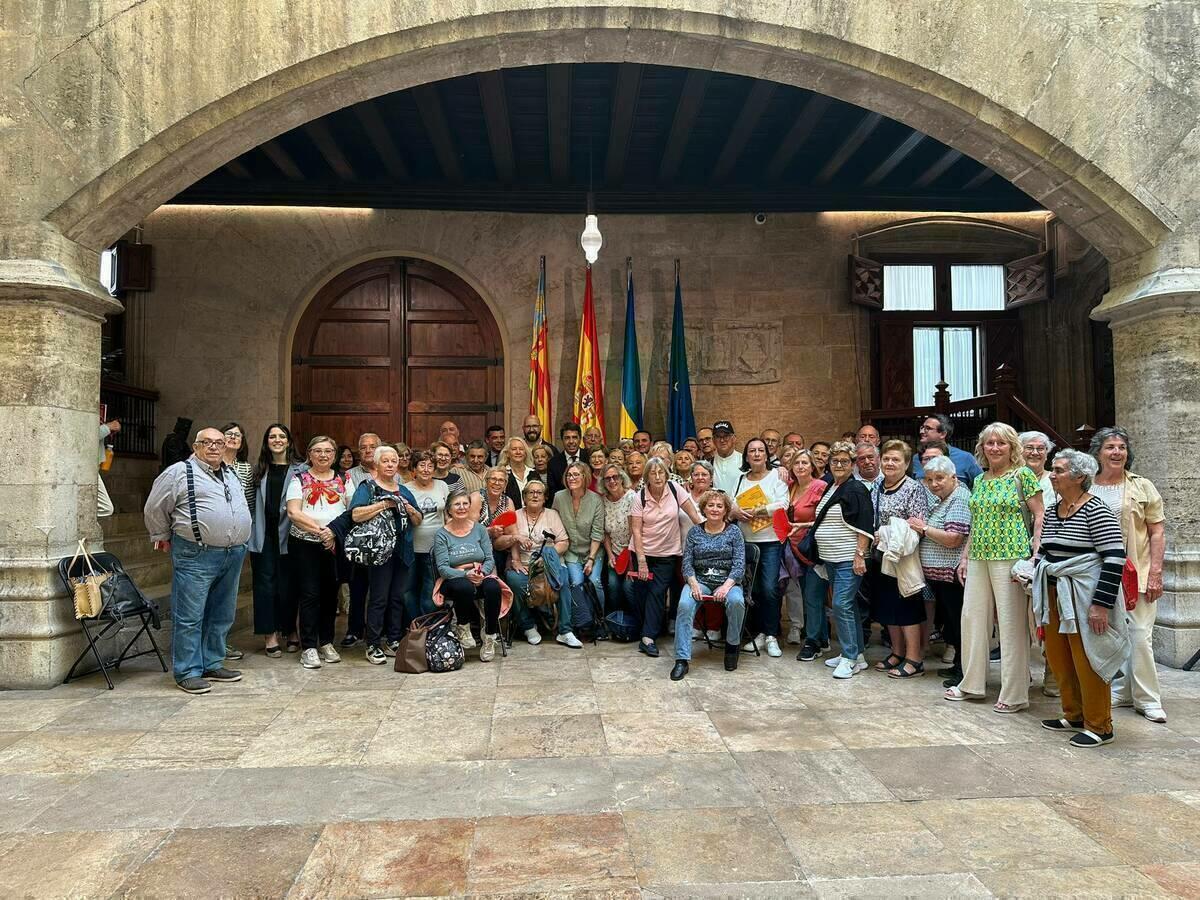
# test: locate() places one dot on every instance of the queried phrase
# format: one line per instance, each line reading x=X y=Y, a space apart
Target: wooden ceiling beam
x=558 y=115
x=494 y=100
x=381 y=139
x=800 y=131
x=433 y=114
x=237 y=169
x=282 y=159
x=743 y=129
x=690 y=100
x=318 y=131
x=938 y=169
x=983 y=176
x=897 y=156
x=629 y=79
x=867 y=124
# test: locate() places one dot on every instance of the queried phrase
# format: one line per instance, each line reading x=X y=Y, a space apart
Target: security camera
x=760 y=218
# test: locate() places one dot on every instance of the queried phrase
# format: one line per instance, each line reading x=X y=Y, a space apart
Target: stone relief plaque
x=733 y=351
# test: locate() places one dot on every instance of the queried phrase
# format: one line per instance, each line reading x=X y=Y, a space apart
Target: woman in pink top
x=804 y=492
x=654 y=527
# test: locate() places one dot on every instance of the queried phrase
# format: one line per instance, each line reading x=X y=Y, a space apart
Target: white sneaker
x=329 y=655
x=696 y=635
x=794 y=635
x=713 y=635
x=834 y=661
x=533 y=636
x=860 y=664
x=846 y=669
x=773 y=647
x=948 y=656
x=488 y=651
x=310 y=658
x=569 y=639
x=1154 y=714
x=464 y=637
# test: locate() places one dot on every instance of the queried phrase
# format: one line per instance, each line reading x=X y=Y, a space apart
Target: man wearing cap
x=727 y=462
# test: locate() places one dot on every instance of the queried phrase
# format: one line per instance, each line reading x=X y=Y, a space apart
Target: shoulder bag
x=372 y=543
x=86 y=587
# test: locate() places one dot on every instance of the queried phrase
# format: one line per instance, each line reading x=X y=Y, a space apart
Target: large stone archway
x=112 y=108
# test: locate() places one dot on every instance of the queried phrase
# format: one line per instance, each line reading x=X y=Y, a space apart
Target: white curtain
x=977 y=288
x=961 y=370
x=907 y=288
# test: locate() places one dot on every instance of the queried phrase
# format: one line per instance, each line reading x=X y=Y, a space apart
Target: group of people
x=989 y=553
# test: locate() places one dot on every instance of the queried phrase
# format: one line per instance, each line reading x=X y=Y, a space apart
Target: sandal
x=273 y=652
x=1061 y=725
x=1006 y=709
x=293 y=646
x=918 y=669
x=956 y=693
x=886 y=665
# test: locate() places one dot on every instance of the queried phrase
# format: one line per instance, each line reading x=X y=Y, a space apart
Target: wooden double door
x=396 y=346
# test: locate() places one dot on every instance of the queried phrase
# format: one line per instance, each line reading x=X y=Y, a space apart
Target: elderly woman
x=597 y=459
x=618 y=501
x=538 y=528
x=1078 y=577
x=1037 y=450
x=383 y=495
x=654 y=523
x=443 y=463
x=1006 y=526
x=315 y=498
x=820 y=456
x=431 y=497
x=515 y=459
x=761 y=480
x=541 y=456
x=714 y=561
x=616 y=457
x=635 y=465
x=700 y=479
x=462 y=553
x=1140 y=509
x=842 y=534
x=663 y=451
x=274 y=599
x=404 y=473
x=804 y=492
x=943 y=531
x=900 y=608
x=490 y=503
x=682 y=463
x=582 y=514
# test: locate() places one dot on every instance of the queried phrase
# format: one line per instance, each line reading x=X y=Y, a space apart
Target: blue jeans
x=556 y=573
x=766 y=589
x=418 y=598
x=204 y=589
x=618 y=590
x=581 y=606
x=816 y=622
x=845 y=606
x=735 y=614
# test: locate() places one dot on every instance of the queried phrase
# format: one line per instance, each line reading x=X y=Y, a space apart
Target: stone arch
x=983 y=105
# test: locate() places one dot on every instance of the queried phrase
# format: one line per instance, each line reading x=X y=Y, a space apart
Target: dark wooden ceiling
x=645 y=138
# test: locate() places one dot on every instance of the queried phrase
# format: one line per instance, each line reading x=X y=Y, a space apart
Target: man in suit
x=494 y=440
x=571 y=437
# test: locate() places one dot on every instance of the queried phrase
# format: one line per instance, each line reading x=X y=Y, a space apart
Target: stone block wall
x=230 y=284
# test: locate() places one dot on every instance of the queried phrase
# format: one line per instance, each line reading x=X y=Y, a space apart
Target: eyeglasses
x=232 y=435
x=1032 y=448
x=612 y=477
x=207 y=443
x=323 y=452
x=840 y=462
x=574 y=475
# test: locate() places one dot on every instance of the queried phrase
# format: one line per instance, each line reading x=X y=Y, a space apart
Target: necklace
x=1071 y=507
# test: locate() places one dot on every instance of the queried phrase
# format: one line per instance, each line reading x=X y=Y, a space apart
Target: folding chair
x=124 y=601
x=704 y=607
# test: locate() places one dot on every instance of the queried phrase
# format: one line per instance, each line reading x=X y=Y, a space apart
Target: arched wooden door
x=396 y=346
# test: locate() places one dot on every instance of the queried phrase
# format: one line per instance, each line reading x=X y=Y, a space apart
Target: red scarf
x=332 y=490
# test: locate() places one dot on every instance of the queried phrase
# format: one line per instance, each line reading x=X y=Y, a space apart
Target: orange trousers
x=1084 y=694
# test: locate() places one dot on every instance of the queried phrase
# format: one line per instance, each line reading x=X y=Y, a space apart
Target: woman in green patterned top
x=1006 y=526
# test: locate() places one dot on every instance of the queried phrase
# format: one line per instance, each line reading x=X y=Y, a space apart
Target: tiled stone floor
x=583 y=774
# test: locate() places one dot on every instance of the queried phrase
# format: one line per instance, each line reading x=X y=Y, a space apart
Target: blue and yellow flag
x=681 y=421
x=631 y=373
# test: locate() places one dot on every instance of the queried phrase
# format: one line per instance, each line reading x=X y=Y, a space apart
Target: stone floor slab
x=246 y=714
x=75 y=863
x=807 y=777
x=54 y=753
x=645 y=697
x=126 y=799
x=1125 y=882
x=553 y=699
x=546 y=786
x=387 y=859
x=709 y=846
x=928 y=887
x=23 y=797
x=681 y=781
x=31 y=713
x=521 y=737
x=1138 y=829
x=651 y=734
x=551 y=853
x=939 y=773
x=429 y=740
x=287 y=743
x=749 y=730
x=1177 y=879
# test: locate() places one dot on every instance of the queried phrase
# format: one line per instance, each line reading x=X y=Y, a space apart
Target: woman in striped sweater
x=1081 y=542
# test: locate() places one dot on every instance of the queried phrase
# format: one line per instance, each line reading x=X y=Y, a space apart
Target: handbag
x=443 y=650
x=806 y=548
x=372 y=543
x=86 y=588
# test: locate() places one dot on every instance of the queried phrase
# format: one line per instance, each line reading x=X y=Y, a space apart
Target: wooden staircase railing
x=973 y=413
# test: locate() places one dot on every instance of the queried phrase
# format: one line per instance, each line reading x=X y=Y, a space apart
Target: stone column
x=1155 y=322
x=49 y=396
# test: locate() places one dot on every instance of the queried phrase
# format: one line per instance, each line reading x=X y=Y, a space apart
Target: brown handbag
x=85 y=587
x=410 y=654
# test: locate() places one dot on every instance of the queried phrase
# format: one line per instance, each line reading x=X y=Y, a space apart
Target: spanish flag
x=589 y=383
x=631 y=373
x=539 y=358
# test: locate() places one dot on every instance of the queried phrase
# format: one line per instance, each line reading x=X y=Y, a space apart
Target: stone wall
x=231 y=283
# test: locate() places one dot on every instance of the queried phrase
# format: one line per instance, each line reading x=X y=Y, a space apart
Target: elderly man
x=794 y=439
x=197 y=512
x=471 y=472
x=494 y=437
x=867 y=434
x=727 y=462
x=708 y=448
x=531 y=428
x=774 y=441
x=592 y=438
x=939 y=428
x=866 y=466
x=448 y=435
x=356 y=618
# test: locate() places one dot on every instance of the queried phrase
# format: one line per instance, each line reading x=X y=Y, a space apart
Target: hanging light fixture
x=591 y=240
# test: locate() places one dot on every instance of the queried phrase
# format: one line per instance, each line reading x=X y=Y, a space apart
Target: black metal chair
x=752 y=556
x=124 y=605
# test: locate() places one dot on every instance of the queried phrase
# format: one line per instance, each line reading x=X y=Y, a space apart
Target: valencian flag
x=539 y=358
x=589 y=386
x=681 y=422
x=631 y=374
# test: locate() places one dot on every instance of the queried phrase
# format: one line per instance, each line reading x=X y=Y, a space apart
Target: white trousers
x=104 y=506
x=795 y=602
x=989 y=589
x=1138 y=680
